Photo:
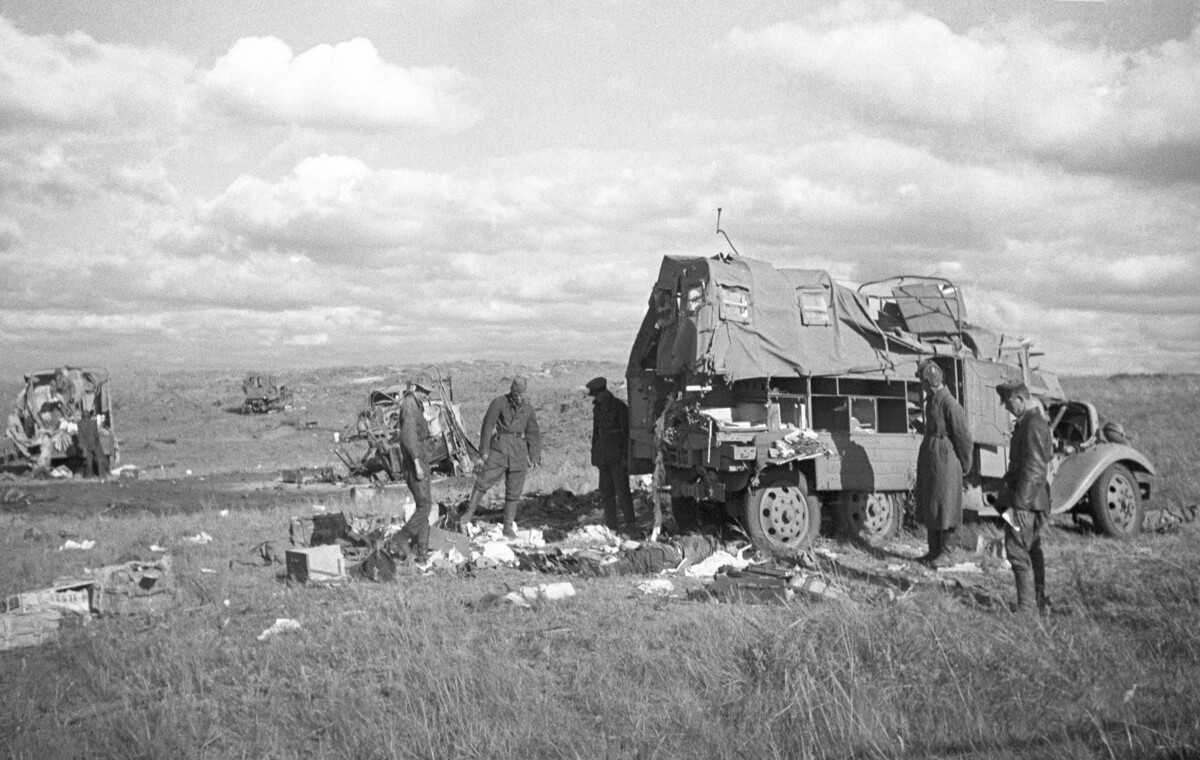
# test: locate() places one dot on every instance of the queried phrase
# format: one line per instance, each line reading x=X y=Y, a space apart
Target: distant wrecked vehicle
x=43 y=430
x=264 y=393
x=449 y=450
x=775 y=394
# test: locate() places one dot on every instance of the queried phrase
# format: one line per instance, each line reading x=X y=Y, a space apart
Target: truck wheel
x=874 y=516
x=686 y=511
x=1116 y=502
x=781 y=518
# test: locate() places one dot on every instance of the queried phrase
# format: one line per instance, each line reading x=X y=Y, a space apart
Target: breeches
x=496 y=468
x=417 y=527
x=1023 y=543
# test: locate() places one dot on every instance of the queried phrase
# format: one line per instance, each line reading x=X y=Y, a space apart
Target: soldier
x=414 y=432
x=1024 y=499
x=944 y=458
x=95 y=460
x=512 y=444
x=610 y=451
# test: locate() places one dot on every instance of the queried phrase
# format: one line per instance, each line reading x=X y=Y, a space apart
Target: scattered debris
x=281 y=625
x=134 y=587
x=264 y=393
x=72 y=544
x=316 y=563
x=200 y=538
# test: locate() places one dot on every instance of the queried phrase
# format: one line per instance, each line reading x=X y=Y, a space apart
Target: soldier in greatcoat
x=610 y=454
x=512 y=444
x=945 y=457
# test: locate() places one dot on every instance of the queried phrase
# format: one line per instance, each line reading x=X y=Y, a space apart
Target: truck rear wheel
x=1116 y=502
x=874 y=516
x=780 y=516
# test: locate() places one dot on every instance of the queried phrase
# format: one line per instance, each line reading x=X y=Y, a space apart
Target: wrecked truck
x=42 y=431
x=449 y=450
x=777 y=396
x=264 y=393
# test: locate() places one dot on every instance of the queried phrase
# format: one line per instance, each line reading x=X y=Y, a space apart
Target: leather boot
x=1026 y=594
x=946 y=544
x=472 y=505
x=510 y=519
x=934 y=537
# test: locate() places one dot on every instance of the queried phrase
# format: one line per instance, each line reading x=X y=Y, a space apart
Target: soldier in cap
x=610 y=454
x=1024 y=499
x=414 y=436
x=945 y=456
x=511 y=442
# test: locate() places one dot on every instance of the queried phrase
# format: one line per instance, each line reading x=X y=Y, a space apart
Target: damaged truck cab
x=777 y=396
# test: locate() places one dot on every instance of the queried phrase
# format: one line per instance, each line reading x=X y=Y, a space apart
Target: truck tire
x=1116 y=502
x=780 y=517
x=873 y=516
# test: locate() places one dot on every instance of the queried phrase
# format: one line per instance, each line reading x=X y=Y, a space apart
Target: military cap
x=1012 y=388
x=424 y=382
x=519 y=385
x=595 y=385
x=929 y=370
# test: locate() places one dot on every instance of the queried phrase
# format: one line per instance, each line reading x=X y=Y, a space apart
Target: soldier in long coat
x=610 y=454
x=512 y=443
x=945 y=457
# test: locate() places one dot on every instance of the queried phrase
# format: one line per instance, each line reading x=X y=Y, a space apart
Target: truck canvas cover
x=739 y=318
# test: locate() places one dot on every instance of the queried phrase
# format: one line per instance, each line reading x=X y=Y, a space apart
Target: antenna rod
x=722 y=232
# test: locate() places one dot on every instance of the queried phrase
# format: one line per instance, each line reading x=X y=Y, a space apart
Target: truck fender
x=1078 y=471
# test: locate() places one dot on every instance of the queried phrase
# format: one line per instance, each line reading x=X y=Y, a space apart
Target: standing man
x=945 y=457
x=512 y=444
x=95 y=460
x=610 y=454
x=414 y=432
x=1024 y=500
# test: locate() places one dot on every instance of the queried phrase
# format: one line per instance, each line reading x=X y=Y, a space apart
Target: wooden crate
x=28 y=628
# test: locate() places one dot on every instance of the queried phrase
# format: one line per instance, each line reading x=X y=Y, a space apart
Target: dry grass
x=412 y=670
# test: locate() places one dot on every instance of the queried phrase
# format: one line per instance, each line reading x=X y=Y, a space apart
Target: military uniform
x=944 y=458
x=91 y=448
x=610 y=454
x=512 y=443
x=414 y=434
x=1025 y=498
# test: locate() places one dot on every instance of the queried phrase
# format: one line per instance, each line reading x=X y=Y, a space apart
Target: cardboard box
x=28 y=628
x=316 y=563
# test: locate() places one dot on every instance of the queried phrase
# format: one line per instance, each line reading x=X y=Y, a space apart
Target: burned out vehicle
x=449 y=450
x=42 y=431
x=778 y=396
x=264 y=393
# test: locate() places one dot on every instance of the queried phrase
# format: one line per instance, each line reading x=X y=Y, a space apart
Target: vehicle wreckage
x=449 y=450
x=264 y=393
x=776 y=395
x=42 y=431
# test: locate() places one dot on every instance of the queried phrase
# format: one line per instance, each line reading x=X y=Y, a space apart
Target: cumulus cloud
x=10 y=234
x=1017 y=83
x=346 y=85
x=72 y=81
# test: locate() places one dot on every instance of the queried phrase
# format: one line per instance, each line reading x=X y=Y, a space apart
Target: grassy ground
x=417 y=669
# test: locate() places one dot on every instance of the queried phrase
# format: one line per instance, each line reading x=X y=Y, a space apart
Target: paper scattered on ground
x=714 y=562
x=660 y=586
x=281 y=625
x=962 y=567
x=83 y=545
x=199 y=538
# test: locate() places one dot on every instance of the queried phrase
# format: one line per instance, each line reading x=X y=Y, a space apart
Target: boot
x=946 y=544
x=934 y=537
x=472 y=505
x=1043 y=601
x=510 y=519
x=1026 y=594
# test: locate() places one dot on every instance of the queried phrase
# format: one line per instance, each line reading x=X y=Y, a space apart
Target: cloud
x=72 y=81
x=10 y=234
x=1016 y=83
x=346 y=85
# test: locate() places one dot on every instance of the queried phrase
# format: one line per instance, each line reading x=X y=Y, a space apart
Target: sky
x=277 y=184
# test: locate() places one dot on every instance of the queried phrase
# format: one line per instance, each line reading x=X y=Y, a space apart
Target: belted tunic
x=945 y=455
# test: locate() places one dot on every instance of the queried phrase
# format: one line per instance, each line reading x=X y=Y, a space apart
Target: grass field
x=417 y=669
